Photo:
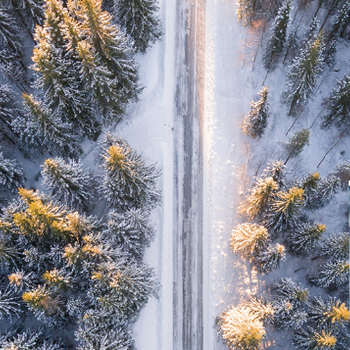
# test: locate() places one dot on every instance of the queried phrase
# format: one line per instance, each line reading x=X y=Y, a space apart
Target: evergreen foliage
x=260 y=197
x=338 y=107
x=30 y=11
x=305 y=237
x=10 y=305
x=276 y=43
x=276 y=170
x=336 y=246
x=296 y=143
x=68 y=183
x=128 y=181
x=284 y=209
x=342 y=172
x=303 y=75
x=255 y=122
x=271 y=257
x=40 y=128
x=341 y=21
x=242 y=329
x=140 y=20
x=249 y=239
x=11 y=174
x=246 y=11
x=314 y=339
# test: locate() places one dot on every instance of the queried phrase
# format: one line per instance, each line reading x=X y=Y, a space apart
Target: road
x=188 y=325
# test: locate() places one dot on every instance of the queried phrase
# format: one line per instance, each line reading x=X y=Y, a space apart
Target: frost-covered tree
x=260 y=197
x=287 y=289
x=314 y=339
x=39 y=128
x=288 y=316
x=246 y=10
x=295 y=144
x=140 y=20
x=255 y=122
x=276 y=170
x=305 y=237
x=248 y=239
x=341 y=21
x=334 y=273
x=11 y=306
x=271 y=257
x=331 y=312
x=336 y=246
x=11 y=64
x=131 y=230
x=284 y=209
x=342 y=172
x=303 y=75
x=69 y=183
x=338 y=106
x=241 y=329
x=327 y=188
x=11 y=174
x=277 y=41
x=128 y=181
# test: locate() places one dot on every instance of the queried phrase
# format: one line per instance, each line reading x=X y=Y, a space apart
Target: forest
x=305 y=307
x=72 y=274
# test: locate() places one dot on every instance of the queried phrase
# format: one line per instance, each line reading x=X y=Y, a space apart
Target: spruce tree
x=140 y=20
x=276 y=170
x=241 y=329
x=40 y=128
x=11 y=174
x=277 y=41
x=296 y=143
x=128 y=181
x=303 y=75
x=326 y=190
x=314 y=339
x=288 y=290
x=336 y=246
x=255 y=122
x=249 y=240
x=305 y=237
x=341 y=21
x=271 y=257
x=284 y=209
x=31 y=12
x=10 y=305
x=69 y=183
x=260 y=197
x=338 y=107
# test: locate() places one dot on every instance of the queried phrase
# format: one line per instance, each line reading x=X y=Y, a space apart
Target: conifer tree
x=68 y=182
x=287 y=289
x=31 y=12
x=338 y=106
x=10 y=305
x=288 y=316
x=276 y=170
x=342 y=172
x=341 y=21
x=271 y=257
x=334 y=273
x=11 y=64
x=296 y=143
x=310 y=186
x=259 y=197
x=284 y=209
x=40 y=128
x=246 y=11
x=241 y=329
x=336 y=246
x=331 y=312
x=326 y=190
x=140 y=21
x=128 y=182
x=131 y=230
x=11 y=174
x=313 y=339
x=277 y=41
x=303 y=75
x=255 y=122
x=249 y=239
x=305 y=237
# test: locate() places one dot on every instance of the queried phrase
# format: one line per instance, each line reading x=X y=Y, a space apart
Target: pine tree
x=305 y=237
x=128 y=182
x=336 y=246
x=31 y=12
x=303 y=75
x=140 y=21
x=341 y=21
x=11 y=174
x=271 y=257
x=259 y=197
x=338 y=106
x=10 y=305
x=329 y=312
x=342 y=172
x=131 y=230
x=276 y=170
x=26 y=341
x=69 y=183
x=288 y=316
x=334 y=273
x=313 y=339
x=40 y=128
x=249 y=239
x=296 y=143
x=284 y=209
x=310 y=186
x=255 y=122
x=246 y=11
x=277 y=41
x=327 y=189
x=288 y=290
x=113 y=52
x=241 y=329
x=11 y=64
